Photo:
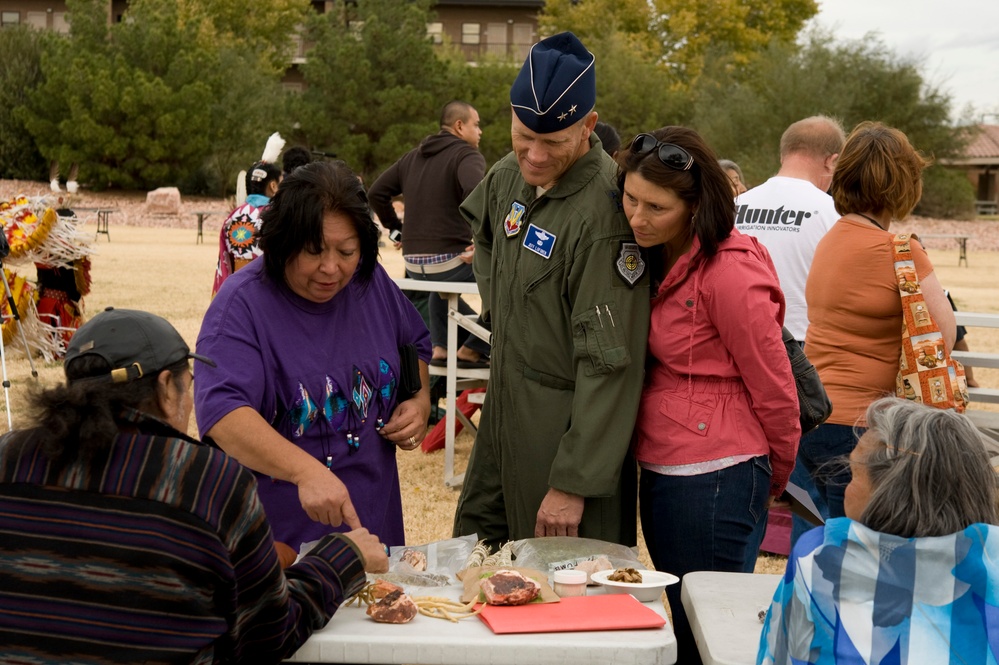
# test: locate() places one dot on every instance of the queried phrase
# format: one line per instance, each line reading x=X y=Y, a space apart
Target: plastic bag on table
x=440 y=560
x=564 y=552
x=443 y=559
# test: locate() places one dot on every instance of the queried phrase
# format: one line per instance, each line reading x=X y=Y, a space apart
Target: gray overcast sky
x=957 y=41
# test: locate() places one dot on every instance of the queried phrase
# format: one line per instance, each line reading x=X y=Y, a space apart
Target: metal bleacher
x=987 y=421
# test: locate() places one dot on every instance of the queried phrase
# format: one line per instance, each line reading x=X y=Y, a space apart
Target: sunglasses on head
x=669 y=154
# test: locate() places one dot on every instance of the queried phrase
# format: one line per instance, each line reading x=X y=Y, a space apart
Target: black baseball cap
x=134 y=343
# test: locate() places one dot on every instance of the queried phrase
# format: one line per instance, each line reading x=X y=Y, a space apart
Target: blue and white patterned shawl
x=853 y=595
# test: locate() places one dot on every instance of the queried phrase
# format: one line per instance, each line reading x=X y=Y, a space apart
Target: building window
x=496 y=40
x=523 y=38
x=9 y=18
x=60 y=23
x=435 y=31
x=470 y=33
x=37 y=20
x=298 y=45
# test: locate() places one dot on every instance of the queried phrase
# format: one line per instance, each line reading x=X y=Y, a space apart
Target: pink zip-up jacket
x=719 y=382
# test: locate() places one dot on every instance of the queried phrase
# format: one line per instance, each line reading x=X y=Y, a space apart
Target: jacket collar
x=693 y=258
x=143 y=423
x=258 y=200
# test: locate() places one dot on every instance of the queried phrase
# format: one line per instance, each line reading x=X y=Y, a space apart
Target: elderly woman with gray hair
x=911 y=573
x=734 y=174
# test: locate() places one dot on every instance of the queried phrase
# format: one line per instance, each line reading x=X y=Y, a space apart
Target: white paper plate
x=651 y=587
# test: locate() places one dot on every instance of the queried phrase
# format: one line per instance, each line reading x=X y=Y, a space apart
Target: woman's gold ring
x=412 y=440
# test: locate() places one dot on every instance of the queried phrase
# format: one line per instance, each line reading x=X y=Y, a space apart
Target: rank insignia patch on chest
x=539 y=241
x=630 y=264
x=514 y=219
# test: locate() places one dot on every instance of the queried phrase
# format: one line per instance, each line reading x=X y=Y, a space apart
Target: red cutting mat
x=601 y=612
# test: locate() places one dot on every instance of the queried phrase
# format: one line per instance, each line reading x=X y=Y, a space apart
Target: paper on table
x=599 y=612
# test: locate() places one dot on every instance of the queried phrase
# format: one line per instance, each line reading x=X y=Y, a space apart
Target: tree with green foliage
x=677 y=34
x=487 y=88
x=744 y=116
x=20 y=71
x=174 y=87
x=375 y=84
x=633 y=93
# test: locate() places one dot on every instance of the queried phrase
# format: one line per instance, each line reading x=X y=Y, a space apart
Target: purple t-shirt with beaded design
x=317 y=372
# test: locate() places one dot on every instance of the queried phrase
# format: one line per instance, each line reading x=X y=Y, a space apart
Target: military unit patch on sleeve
x=630 y=265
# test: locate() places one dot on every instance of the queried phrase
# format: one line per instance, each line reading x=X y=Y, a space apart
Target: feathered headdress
x=273 y=148
x=271 y=153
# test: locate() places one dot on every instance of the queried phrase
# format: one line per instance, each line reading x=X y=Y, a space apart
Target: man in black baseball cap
x=133 y=343
x=568 y=298
x=115 y=523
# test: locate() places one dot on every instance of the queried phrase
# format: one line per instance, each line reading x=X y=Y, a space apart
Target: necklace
x=872 y=221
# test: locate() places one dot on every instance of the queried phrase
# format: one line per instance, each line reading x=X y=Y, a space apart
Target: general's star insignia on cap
x=630 y=264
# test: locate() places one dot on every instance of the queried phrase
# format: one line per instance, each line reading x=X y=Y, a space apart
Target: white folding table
x=723 y=612
x=353 y=637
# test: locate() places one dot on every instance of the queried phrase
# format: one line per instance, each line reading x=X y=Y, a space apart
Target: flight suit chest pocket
x=599 y=339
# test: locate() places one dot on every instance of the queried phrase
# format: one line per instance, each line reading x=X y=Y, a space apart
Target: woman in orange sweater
x=854 y=308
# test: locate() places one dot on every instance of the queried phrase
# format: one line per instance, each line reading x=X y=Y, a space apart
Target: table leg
x=102 y=224
x=451 y=398
x=963 y=251
x=201 y=223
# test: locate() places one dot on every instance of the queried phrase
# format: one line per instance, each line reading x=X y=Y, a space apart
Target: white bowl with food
x=650 y=588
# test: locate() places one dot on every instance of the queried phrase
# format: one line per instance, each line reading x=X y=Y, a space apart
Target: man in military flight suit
x=565 y=290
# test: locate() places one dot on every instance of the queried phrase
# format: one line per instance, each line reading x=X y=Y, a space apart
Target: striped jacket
x=157 y=551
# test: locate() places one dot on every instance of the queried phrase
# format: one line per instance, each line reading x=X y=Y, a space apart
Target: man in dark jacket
x=434 y=178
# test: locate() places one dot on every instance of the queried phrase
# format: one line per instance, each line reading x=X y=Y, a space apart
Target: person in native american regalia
x=255 y=188
x=50 y=310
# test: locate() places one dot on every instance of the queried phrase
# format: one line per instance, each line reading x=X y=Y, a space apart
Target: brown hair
x=705 y=187
x=878 y=171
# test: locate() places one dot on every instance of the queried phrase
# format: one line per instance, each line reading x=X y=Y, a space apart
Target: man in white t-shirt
x=791 y=211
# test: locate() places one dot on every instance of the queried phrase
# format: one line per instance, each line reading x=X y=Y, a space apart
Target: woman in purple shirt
x=307 y=339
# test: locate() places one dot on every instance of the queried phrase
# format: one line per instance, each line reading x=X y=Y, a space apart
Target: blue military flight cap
x=557 y=85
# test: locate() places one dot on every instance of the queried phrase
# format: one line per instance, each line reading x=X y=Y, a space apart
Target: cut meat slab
x=508 y=587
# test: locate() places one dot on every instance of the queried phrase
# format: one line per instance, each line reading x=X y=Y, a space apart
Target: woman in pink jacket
x=717 y=428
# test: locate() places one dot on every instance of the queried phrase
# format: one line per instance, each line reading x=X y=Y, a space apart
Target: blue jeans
x=799 y=525
x=437 y=307
x=702 y=522
x=824 y=453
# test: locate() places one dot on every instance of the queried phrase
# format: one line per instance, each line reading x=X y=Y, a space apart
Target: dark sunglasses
x=669 y=154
